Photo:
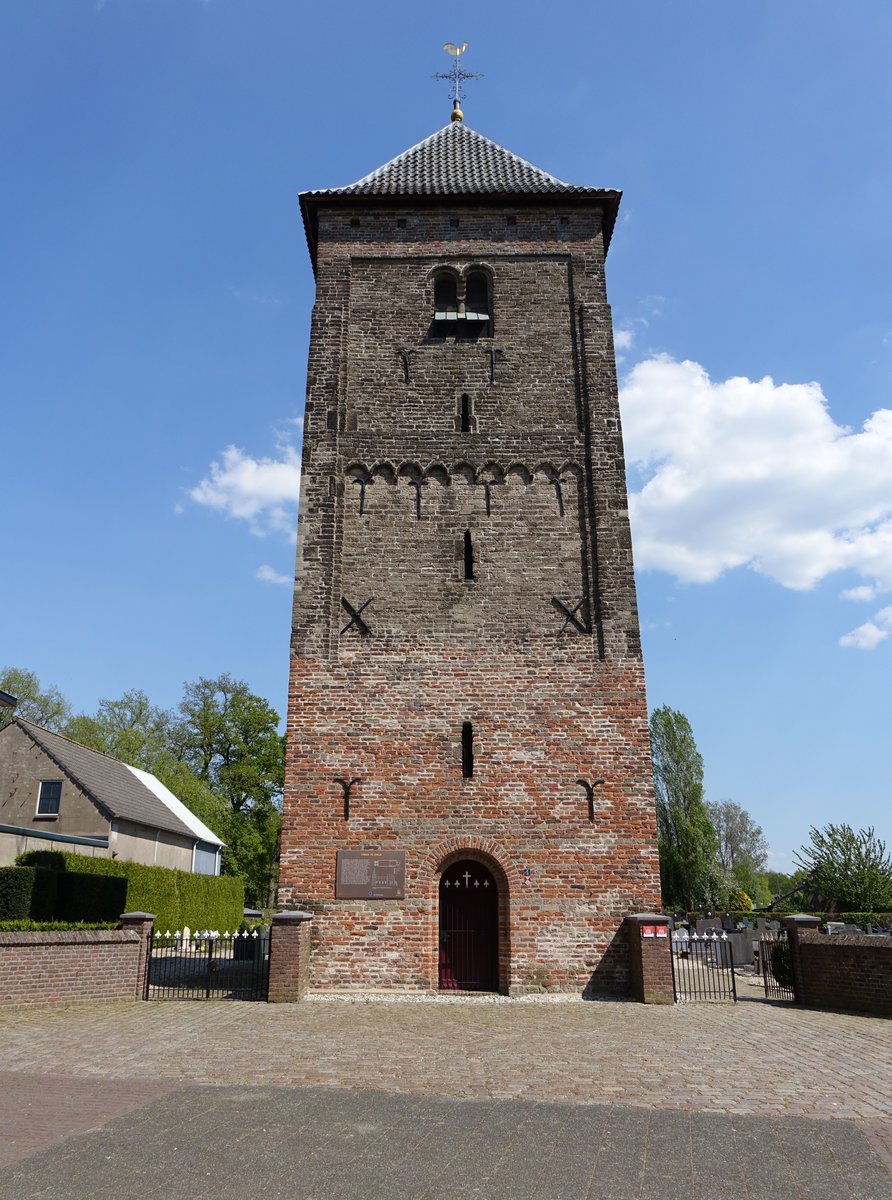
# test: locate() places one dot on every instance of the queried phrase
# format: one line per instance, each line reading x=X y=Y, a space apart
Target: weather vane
x=457 y=77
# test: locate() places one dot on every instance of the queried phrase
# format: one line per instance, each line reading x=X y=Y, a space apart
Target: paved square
x=501 y=1098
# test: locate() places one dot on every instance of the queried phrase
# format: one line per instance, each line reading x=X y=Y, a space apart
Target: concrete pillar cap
x=649 y=918
x=293 y=916
x=137 y=916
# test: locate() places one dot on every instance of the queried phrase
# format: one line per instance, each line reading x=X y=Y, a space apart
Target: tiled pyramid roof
x=456 y=160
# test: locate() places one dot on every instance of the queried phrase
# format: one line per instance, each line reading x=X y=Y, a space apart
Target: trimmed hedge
x=54 y=926
x=16 y=886
x=851 y=918
x=177 y=898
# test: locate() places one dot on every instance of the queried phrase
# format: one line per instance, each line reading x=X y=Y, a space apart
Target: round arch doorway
x=469 y=928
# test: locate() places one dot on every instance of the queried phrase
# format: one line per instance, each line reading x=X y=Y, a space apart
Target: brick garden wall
x=846 y=971
x=54 y=967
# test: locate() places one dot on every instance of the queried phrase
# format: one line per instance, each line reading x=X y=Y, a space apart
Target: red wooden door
x=469 y=928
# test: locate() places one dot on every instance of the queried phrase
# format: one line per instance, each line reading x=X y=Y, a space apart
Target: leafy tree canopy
x=230 y=739
x=849 y=871
x=43 y=705
x=688 y=844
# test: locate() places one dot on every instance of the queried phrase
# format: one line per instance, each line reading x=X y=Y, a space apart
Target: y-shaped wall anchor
x=590 y=795
x=347 y=784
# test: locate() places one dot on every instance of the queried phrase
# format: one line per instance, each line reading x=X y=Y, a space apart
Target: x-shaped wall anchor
x=355 y=615
x=590 y=795
x=570 y=616
x=347 y=785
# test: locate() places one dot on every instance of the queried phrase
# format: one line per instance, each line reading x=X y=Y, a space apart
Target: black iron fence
x=207 y=965
x=702 y=967
x=777 y=967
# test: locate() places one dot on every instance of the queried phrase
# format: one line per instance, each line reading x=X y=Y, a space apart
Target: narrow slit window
x=466 y=413
x=469 y=555
x=467 y=750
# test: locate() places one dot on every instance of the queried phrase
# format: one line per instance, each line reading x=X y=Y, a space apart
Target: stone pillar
x=650 y=958
x=143 y=924
x=795 y=925
x=289 y=957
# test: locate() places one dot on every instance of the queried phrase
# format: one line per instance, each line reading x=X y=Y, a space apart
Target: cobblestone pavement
x=747 y=1059
x=229 y=1143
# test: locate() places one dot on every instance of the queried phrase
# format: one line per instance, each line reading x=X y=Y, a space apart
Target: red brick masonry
x=846 y=971
x=47 y=967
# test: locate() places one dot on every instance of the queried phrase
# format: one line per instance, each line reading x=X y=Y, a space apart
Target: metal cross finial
x=456 y=77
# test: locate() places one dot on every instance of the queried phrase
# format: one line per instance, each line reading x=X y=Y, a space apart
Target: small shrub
x=740 y=901
x=16 y=886
x=781 y=963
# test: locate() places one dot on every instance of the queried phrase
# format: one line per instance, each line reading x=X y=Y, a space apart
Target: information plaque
x=371 y=875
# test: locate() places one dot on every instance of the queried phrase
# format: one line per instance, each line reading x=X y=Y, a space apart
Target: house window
x=49 y=798
x=477 y=296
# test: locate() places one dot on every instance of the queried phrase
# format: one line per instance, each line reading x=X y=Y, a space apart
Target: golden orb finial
x=457 y=114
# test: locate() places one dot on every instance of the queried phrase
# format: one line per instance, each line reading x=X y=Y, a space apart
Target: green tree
x=849 y=871
x=131 y=729
x=742 y=849
x=43 y=705
x=689 y=871
x=230 y=739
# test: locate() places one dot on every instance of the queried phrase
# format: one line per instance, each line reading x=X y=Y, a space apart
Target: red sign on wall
x=648 y=931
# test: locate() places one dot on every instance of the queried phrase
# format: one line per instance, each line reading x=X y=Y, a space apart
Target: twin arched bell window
x=462 y=302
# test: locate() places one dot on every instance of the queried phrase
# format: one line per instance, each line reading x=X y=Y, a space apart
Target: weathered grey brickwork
x=464 y=561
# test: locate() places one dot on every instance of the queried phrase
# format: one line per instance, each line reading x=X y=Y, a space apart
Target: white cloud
x=261 y=491
x=750 y=473
x=623 y=339
x=869 y=635
x=268 y=574
x=865 y=591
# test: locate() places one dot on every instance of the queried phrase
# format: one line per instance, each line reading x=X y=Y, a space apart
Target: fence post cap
x=648 y=918
x=800 y=918
x=137 y=916
x=293 y=916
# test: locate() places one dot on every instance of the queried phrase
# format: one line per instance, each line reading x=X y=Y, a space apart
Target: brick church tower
x=468 y=799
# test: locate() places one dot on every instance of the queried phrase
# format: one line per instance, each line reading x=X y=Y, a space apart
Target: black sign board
x=371 y=875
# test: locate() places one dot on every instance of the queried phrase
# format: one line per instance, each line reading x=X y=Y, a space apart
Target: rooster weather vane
x=456 y=77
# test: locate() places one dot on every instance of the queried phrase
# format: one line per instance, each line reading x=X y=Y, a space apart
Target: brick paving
x=749 y=1060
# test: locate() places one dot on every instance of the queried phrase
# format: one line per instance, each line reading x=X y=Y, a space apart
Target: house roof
x=456 y=162
x=119 y=791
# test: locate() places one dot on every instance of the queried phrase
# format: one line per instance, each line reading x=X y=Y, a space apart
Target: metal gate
x=208 y=965
x=702 y=968
x=777 y=967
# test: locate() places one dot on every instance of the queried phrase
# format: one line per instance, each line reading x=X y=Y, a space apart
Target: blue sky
x=156 y=294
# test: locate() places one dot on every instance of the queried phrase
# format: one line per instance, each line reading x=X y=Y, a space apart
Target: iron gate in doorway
x=702 y=968
x=208 y=965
